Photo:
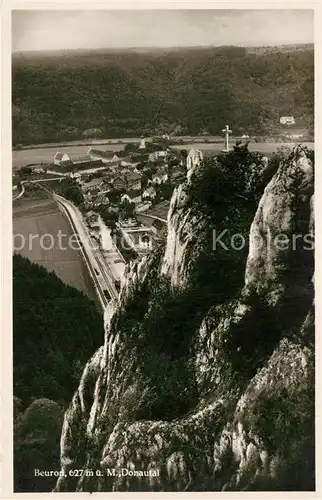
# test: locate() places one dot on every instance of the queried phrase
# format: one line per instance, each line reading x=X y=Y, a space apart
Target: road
x=21 y=192
x=101 y=274
x=35 y=181
x=111 y=253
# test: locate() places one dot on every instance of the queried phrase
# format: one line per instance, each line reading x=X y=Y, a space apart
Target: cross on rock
x=226 y=131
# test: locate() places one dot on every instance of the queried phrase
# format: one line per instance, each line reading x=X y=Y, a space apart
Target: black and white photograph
x=163 y=324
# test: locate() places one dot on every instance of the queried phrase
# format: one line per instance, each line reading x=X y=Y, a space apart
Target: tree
x=165 y=191
x=127 y=209
x=115 y=196
x=25 y=170
x=55 y=315
x=130 y=147
x=144 y=180
x=109 y=218
x=70 y=190
x=36 y=445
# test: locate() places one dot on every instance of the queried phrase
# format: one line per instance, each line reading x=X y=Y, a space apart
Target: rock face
x=250 y=365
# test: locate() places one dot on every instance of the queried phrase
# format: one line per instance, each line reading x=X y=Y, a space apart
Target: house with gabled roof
x=92 y=185
x=105 y=156
x=133 y=181
x=132 y=197
x=81 y=159
x=149 y=193
x=101 y=199
x=61 y=157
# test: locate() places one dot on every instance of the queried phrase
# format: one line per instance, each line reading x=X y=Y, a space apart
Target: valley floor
x=36 y=220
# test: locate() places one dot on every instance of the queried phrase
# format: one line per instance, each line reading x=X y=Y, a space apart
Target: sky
x=63 y=29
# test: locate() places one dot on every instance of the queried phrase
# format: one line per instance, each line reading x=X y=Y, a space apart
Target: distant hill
x=56 y=96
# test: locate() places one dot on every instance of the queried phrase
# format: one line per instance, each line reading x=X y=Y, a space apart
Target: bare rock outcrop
x=250 y=361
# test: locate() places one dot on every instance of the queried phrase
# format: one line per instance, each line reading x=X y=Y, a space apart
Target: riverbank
x=45 y=155
x=132 y=140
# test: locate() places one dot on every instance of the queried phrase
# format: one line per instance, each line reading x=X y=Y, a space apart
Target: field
x=160 y=210
x=36 y=226
x=46 y=155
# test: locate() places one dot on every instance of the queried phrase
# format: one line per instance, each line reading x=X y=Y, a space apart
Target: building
x=76 y=175
x=61 y=157
x=90 y=167
x=93 y=132
x=101 y=199
x=159 y=177
x=149 y=193
x=133 y=181
x=39 y=170
x=159 y=228
x=194 y=158
x=294 y=137
x=163 y=173
x=132 y=197
x=287 y=120
x=104 y=156
x=156 y=179
x=157 y=155
x=119 y=183
x=142 y=239
x=92 y=185
x=81 y=159
x=127 y=161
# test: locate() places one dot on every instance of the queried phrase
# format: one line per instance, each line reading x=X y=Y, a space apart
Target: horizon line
x=162 y=47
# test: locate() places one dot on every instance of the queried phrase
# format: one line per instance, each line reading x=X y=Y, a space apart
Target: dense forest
x=191 y=91
x=55 y=329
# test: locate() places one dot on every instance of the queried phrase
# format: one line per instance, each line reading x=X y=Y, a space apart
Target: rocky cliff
x=213 y=389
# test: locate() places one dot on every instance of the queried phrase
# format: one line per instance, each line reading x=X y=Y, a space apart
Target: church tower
x=142 y=142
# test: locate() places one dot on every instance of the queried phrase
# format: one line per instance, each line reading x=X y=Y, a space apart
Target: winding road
x=100 y=273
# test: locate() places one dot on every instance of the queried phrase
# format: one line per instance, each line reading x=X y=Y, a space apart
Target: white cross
x=226 y=131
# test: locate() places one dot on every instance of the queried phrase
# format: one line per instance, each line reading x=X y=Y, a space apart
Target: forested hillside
x=190 y=91
x=55 y=329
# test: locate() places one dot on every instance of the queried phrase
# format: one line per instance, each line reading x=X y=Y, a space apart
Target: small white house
x=157 y=155
x=149 y=193
x=39 y=170
x=287 y=120
x=132 y=197
x=60 y=157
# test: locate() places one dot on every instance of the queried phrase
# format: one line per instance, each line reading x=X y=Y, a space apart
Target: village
x=122 y=197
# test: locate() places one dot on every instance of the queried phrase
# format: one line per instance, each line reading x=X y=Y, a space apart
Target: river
x=37 y=224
